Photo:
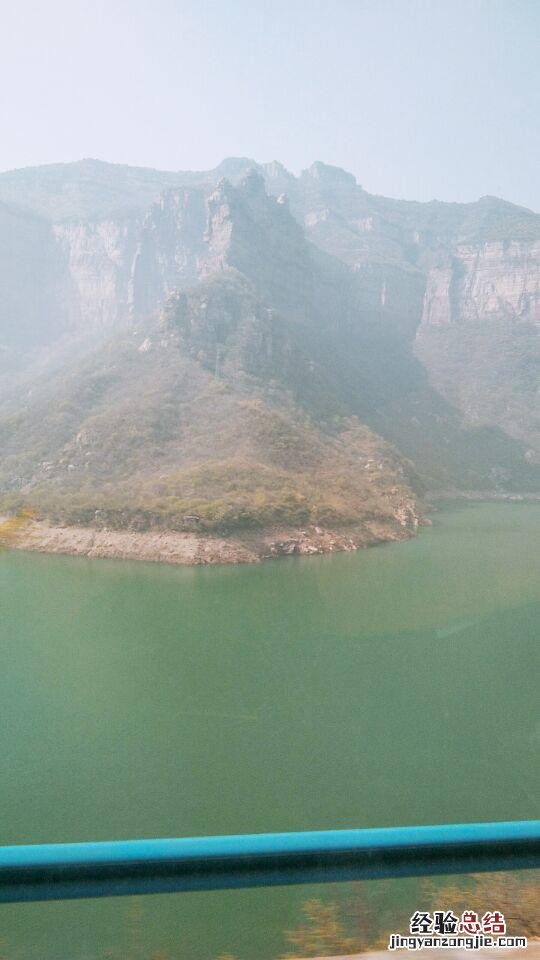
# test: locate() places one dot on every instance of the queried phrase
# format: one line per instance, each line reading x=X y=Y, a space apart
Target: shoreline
x=162 y=546
x=480 y=496
x=250 y=546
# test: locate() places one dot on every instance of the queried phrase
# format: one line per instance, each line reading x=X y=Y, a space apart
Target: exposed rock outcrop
x=188 y=548
x=492 y=281
x=479 y=337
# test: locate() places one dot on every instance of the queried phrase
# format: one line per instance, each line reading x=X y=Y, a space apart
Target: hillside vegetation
x=143 y=440
x=242 y=349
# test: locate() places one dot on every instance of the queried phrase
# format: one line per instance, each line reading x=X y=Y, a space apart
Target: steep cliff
x=479 y=335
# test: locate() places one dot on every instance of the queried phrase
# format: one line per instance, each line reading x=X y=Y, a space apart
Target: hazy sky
x=418 y=98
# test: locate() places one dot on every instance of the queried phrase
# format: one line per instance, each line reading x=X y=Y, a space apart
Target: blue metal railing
x=75 y=870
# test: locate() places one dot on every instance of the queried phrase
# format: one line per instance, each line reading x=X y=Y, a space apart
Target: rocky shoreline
x=190 y=548
x=481 y=496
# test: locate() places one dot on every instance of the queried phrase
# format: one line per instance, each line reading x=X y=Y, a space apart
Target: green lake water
x=397 y=685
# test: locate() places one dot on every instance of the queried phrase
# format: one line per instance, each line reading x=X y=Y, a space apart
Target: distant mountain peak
x=253 y=182
x=235 y=166
x=330 y=174
x=275 y=169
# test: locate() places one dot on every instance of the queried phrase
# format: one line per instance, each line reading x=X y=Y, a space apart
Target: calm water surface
x=392 y=686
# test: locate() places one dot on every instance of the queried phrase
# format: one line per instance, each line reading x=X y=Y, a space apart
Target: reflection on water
x=392 y=686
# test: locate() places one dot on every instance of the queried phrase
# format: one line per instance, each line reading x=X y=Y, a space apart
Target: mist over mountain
x=242 y=347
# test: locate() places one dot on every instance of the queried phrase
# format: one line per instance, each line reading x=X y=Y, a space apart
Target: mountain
x=242 y=348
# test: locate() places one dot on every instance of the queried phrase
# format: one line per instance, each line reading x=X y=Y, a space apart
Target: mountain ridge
x=364 y=328
x=232 y=168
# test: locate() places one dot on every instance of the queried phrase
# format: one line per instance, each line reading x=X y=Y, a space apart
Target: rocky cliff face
x=96 y=260
x=491 y=281
x=479 y=335
x=93 y=277
x=256 y=234
x=119 y=271
x=170 y=247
